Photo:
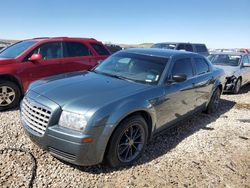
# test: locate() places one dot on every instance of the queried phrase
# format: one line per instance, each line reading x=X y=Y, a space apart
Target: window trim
x=25 y=59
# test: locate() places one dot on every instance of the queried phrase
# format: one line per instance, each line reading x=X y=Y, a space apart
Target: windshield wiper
x=107 y=74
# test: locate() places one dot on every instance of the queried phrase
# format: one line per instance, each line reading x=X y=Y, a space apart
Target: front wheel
x=214 y=102
x=237 y=86
x=9 y=95
x=128 y=142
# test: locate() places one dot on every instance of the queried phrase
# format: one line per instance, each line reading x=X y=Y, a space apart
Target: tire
x=9 y=95
x=237 y=86
x=214 y=102
x=124 y=149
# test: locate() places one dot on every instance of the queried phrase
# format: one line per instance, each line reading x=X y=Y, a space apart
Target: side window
x=181 y=47
x=189 y=48
x=201 y=48
x=100 y=49
x=51 y=50
x=201 y=66
x=183 y=66
x=76 y=49
x=249 y=59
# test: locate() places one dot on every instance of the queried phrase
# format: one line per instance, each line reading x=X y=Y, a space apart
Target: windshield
x=133 y=67
x=225 y=59
x=16 y=49
x=164 y=46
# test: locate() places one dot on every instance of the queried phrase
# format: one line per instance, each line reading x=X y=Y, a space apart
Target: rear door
x=77 y=56
x=203 y=82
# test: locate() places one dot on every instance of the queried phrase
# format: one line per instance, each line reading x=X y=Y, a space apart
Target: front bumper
x=63 y=143
x=65 y=146
x=230 y=83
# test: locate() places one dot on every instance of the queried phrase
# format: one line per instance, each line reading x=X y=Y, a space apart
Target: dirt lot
x=205 y=151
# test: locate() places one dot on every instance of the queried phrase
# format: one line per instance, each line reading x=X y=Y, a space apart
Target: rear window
x=164 y=46
x=76 y=49
x=201 y=48
x=100 y=49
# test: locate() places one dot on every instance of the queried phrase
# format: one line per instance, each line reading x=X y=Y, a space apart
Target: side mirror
x=179 y=77
x=35 y=57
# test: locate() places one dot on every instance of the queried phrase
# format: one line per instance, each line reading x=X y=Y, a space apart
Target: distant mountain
x=143 y=45
x=7 y=41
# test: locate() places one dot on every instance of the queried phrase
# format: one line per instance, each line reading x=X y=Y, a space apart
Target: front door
x=179 y=97
x=50 y=64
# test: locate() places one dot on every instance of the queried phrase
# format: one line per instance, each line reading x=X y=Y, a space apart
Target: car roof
x=40 y=39
x=166 y=53
x=179 y=43
x=227 y=53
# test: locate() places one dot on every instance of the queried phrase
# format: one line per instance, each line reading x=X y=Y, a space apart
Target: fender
x=13 y=78
x=217 y=84
x=118 y=113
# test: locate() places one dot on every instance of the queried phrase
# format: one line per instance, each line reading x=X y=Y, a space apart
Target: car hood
x=82 y=91
x=5 y=61
x=229 y=70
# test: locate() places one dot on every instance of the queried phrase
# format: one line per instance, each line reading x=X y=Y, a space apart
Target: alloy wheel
x=131 y=143
x=7 y=95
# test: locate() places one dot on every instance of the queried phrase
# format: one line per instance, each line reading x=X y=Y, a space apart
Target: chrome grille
x=35 y=116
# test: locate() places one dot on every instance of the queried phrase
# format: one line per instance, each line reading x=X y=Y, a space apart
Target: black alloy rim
x=131 y=143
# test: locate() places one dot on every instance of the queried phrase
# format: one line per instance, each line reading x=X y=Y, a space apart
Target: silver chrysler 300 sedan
x=236 y=66
x=110 y=113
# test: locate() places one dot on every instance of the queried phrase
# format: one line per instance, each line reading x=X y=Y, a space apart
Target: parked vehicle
x=110 y=113
x=113 y=48
x=33 y=59
x=191 y=47
x=236 y=66
x=244 y=50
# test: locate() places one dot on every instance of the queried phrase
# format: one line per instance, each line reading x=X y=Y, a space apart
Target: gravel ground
x=205 y=151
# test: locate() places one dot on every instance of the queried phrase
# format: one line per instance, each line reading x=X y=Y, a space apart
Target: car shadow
x=168 y=139
x=245 y=89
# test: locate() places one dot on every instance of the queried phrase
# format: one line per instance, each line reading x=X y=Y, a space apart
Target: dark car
x=236 y=66
x=33 y=59
x=110 y=113
x=190 y=47
x=113 y=48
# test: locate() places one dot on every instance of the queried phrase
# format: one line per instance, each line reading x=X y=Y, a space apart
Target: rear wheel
x=237 y=86
x=9 y=95
x=128 y=142
x=214 y=102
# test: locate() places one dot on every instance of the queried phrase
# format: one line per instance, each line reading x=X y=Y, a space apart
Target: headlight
x=72 y=121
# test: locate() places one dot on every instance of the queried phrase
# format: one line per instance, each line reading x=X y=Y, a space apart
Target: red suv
x=33 y=59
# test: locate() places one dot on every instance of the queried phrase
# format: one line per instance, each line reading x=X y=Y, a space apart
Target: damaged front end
x=230 y=83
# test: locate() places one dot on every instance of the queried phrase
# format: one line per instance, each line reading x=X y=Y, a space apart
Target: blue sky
x=218 y=23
